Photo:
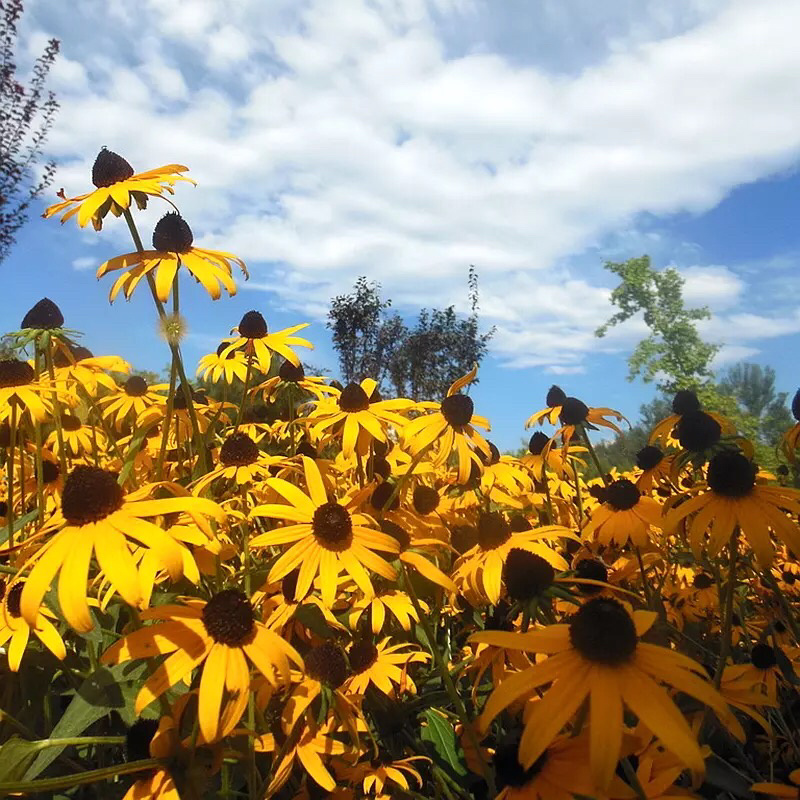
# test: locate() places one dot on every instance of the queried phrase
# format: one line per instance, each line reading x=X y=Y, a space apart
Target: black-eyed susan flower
x=240 y=461
x=79 y=440
x=172 y=248
x=383 y=776
x=226 y=364
x=731 y=498
x=384 y=666
x=15 y=631
x=97 y=517
x=117 y=187
x=450 y=428
x=358 y=417
x=481 y=568
x=129 y=402
x=572 y=414
x=326 y=538
x=599 y=655
x=257 y=343
x=655 y=467
x=221 y=635
x=291 y=375
x=559 y=773
x=382 y=607
x=311 y=750
x=150 y=738
x=19 y=388
x=791 y=438
x=689 y=426
x=559 y=461
x=626 y=514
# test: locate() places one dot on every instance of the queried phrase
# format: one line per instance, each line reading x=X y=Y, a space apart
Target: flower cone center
x=603 y=632
x=731 y=474
x=229 y=619
x=14 y=372
x=327 y=664
x=135 y=386
x=493 y=530
x=353 y=398
x=253 y=325
x=238 y=450
x=45 y=315
x=172 y=234
x=458 y=409
x=363 y=655
x=332 y=526
x=622 y=495
x=110 y=168
x=90 y=495
x=526 y=574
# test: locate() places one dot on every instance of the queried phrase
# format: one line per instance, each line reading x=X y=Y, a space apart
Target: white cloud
x=84 y=263
x=341 y=139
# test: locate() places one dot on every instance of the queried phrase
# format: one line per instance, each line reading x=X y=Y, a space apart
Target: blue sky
x=405 y=139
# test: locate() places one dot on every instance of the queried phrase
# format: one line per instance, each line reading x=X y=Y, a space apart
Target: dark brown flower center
x=555 y=396
x=649 y=457
x=622 y=495
x=509 y=772
x=731 y=474
x=463 y=537
x=332 y=526
x=90 y=495
x=327 y=664
x=426 y=499
x=697 y=431
x=50 y=471
x=381 y=495
x=353 y=398
x=45 y=315
x=138 y=738
x=763 y=656
x=13 y=599
x=172 y=234
x=573 y=411
x=238 y=450
x=796 y=405
x=788 y=577
x=229 y=619
x=223 y=346
x=14 y=372
x=526 y=574
x=590 y=569
x=458 y=409
x=685 y=401
x=493 y=530
x=603 y=632
x=135 y=386
x=71 y=355
x=396 y=532
x=537 y=443
x=363 y=654
x=253 y=326
x=70 y=423
x=291 y=373
x=110 y=168
x=702 y=581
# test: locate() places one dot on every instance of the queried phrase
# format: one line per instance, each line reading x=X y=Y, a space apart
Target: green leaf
x=16 y=756
x=311 y=616
x=106 y=689
x=19 y=524
x=440 y=733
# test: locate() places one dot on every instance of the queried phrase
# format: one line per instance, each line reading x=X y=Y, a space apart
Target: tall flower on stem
x=172 y=248
x=599 y=655
x=117 y=187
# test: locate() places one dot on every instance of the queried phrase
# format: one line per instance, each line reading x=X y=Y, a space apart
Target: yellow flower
x=257 y=343
x=625 y=515
x=172 y=243
x=451 y=427
x=230 y=365
x=326 y=538
x=733 y=498
x=17 y=630
x=20 y=390
x=599 y=655
x=221 y=635
x=117 y=186
x=130 y=401
x=383 y=666
x=96 y=517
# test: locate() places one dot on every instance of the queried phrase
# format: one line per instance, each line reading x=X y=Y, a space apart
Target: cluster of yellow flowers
x=361 y=597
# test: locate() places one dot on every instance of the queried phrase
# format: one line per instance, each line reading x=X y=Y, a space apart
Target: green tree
x=26 y=116
x=420 y=361
x=673 y=355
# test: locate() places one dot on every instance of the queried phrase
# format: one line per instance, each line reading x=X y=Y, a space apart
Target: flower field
x=250 y=582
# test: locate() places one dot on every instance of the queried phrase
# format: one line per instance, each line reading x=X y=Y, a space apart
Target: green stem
x=10 y=474
x=37 y=438
x=595 y=459
x=725 y=645
x=447 y=680
x=248 y=373
x=92 y=776
x=174 y=348
x=162 y=450
x=62 y=453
